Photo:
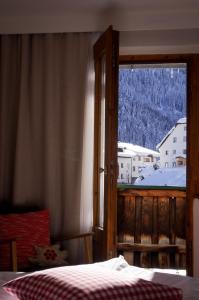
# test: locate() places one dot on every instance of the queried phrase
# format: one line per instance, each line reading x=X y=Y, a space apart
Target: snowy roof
x=180 y=121
x=163 y=177
x=136 y=150
x=126 y=153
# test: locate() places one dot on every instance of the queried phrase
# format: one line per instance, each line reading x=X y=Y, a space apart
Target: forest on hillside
x=151 y=100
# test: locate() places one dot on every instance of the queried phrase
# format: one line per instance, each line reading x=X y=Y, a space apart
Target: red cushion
x=87 y=282
x=29 y=229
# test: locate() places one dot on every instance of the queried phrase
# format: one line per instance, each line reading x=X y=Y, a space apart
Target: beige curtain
x=46 y=125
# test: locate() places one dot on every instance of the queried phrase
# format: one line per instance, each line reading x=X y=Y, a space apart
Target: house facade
x=172 y=148
x=132 y=159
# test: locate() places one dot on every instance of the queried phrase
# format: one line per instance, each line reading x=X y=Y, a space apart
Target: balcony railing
x=151 y=226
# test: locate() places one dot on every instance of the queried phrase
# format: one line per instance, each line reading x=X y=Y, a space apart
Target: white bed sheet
x=189 y=285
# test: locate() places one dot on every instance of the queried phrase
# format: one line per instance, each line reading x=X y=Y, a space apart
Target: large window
x=152 y=121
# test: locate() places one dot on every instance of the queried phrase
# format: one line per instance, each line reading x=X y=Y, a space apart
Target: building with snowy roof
x=132 y=159
x=172 y=148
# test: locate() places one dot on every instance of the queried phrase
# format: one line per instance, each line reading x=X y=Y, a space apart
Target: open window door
x=106 y=57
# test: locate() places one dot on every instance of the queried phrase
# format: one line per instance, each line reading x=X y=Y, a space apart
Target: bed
x=116 y=267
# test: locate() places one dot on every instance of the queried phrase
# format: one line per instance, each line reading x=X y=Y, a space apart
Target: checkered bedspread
x=83 y=283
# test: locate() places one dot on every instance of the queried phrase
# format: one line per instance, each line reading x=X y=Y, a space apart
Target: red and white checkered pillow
x=87 y=283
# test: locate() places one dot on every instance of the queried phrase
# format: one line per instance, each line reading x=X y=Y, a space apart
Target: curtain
x=46 y=125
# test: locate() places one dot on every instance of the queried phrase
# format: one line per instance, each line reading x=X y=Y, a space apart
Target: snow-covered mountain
x=151 y=100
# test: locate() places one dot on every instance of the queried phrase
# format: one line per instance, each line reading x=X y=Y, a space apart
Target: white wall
x=143 y=29
x=124 y=169
x=179 y=133
x=129 y=167
x=159 y=41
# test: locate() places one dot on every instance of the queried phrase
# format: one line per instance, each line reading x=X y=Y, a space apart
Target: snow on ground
x=162 y=177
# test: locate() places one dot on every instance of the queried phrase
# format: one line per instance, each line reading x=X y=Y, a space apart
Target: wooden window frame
x=192 y=62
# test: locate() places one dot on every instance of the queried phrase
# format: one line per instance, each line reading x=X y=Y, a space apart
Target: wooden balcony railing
x=151 y=226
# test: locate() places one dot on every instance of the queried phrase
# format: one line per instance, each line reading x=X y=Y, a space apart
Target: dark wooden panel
x=149 y=248
x=180 y=218
x=153 y=193
x=155 y=230
x=138 y=227
x=155 y=58
x=163 y=218
x=172 y=220
x=126 y=217
x=138 y=219
x=147 y=220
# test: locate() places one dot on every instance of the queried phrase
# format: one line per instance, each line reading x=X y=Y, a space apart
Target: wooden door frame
x=192 y=61
x=106 y=46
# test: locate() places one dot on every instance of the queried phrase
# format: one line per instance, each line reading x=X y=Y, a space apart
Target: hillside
x=150 y=102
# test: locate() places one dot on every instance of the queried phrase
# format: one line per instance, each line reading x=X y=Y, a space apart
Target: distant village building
x=132 y=159
x=172 y=148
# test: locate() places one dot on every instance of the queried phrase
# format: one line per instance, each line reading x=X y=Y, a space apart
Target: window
x=166 y=164
x=122 y=176
x=185 y=128
x=122 y=165
x=184 y=151
x=174 y=164
x=166 y=152
x=146 y=159
x=133 y=169
x=174 y=139
x=139 y=157
x=174 y=151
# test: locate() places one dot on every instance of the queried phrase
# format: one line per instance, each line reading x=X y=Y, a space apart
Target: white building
x=132 y=159
x=172 y=148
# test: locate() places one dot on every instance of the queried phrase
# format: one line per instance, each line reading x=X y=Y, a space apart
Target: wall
x=143 y=30
x=125 y=171
x=169 y=145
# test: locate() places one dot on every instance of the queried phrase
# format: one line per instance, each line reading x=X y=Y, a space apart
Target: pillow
x=49 y=256
x=116 y=263
x=29 y=229
x=87 y=283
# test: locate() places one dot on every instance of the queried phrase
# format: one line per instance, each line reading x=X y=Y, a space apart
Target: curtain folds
x=46 y=125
